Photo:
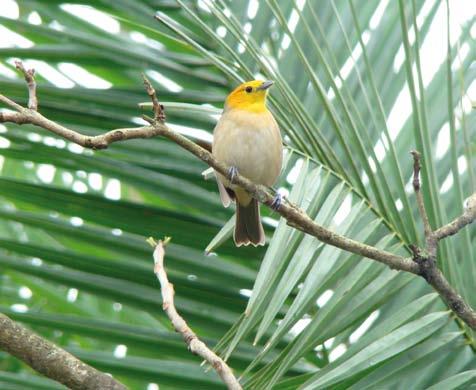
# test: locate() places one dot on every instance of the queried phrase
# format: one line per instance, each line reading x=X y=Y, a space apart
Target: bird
x=248 y=140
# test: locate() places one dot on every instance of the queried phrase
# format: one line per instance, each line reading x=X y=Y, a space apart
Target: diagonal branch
x=195 y=345
x=50 y=360
x=427 y=258
x=11 y=104
x=468 y=216
x=295 y=216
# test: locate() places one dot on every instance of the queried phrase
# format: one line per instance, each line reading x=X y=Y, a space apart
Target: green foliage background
x=75 y=264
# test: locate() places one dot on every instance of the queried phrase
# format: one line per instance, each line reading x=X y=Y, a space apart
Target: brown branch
x=418 y=193
x=195 y=345
x=295 y=217
x=426 y=258
x=468 y=216
x=50 y=360
x=11 y=103
x=158 y=108
x=29 y=75
x=27 y=116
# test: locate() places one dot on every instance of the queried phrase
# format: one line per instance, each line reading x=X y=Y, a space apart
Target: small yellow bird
x=247 y=138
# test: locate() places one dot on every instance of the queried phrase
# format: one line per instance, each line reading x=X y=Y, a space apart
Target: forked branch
x=194 y=344
x=426 y=258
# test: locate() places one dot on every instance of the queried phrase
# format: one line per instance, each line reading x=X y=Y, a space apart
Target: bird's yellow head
x=249 y=96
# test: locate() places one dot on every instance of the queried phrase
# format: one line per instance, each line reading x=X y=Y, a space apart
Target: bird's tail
x=248 y=228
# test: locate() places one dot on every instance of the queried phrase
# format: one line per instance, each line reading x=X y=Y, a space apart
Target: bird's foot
x=232 y=172
x=277 y=201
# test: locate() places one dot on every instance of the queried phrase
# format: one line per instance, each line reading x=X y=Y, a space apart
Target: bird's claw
x=161 y=115
x=277 y=201
x=232 y=172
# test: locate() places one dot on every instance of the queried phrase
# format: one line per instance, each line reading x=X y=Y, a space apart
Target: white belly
x=256 y=151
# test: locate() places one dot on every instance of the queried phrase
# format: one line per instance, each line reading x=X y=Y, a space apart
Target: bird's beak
x=265 y=85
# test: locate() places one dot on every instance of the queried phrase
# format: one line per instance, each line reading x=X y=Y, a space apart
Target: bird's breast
x=252 y=143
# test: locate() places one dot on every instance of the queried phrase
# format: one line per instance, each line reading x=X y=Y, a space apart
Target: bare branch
x=27 y=116
x=419 y=196
x=50 y=360
x=468 y=216
x=158 y=108
x=11 y=103
x=426 y=258
x=31 y=116
x=292 y=213
x=195 y=345
x=450 y=296
x=29 y=75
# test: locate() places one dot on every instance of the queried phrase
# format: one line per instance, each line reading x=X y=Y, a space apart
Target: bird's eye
x=248 y=89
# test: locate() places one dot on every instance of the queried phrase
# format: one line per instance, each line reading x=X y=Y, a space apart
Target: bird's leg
x=277 y=200
x=232 y=172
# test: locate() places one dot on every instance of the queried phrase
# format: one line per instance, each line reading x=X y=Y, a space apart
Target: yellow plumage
x=247 y=137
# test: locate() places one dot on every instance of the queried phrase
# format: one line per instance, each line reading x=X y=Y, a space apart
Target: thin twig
x=295 y=216
x=29 y=75
x=427 y=258
x=158 y=108
x=11 y=103
x=468 y=216
x=27 y=116
x=418 y=193
x=50 y=360
x=195 y=345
